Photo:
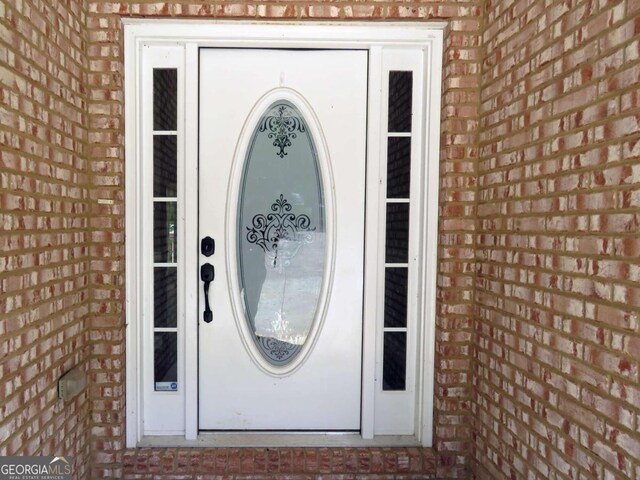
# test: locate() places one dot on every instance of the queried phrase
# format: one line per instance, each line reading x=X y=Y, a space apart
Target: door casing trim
x=194 y=34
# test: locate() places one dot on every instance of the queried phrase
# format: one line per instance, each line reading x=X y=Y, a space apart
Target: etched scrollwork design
x=282 y=124
x=277 y=349
x=281 y=229
x=268 y=230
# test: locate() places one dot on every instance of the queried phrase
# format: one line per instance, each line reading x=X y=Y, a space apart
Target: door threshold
x=279 y=439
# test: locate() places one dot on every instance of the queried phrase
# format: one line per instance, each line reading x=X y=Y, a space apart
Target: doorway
x=301 y=164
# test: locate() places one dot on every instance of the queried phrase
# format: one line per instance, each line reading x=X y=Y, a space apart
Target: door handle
x=207 y=274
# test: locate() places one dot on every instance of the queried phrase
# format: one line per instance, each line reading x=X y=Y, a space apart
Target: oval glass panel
x=281 y=233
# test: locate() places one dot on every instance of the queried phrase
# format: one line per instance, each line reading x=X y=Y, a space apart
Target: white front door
x=282 y=195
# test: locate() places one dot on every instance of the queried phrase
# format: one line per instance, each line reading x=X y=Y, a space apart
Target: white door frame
x=181 y=40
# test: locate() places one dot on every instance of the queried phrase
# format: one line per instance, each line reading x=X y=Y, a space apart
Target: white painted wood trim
x=132 y=265
x=265 y=34
x=429 y=242
x=372 y=234
x=191 y=241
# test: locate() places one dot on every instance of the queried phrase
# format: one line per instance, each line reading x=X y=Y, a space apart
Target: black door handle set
x=207 y=274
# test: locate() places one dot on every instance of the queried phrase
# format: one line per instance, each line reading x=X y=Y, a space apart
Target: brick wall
x=288 y=463
x=456 y=267
x=44 y=266
x=554 y=187
x=557 y=392
x=459 y=155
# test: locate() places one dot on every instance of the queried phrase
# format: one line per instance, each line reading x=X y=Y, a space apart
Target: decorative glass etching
x=281 y=233
x=282 y=123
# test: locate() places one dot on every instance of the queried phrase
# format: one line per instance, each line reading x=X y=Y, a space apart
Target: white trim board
x=380 y=39
x=258 y=440
x=265 y=34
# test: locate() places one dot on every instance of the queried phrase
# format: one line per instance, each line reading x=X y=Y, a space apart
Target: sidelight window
x=394 y=363
x=165 y=239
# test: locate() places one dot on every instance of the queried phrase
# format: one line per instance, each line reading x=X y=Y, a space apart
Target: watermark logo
x=36 y=468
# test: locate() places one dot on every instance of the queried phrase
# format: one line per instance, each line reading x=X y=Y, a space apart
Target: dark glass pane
x=398 y=167
x=400 y=94
x=165 y=360
x=397 y=245
x=165 y=98
x=164 y=232
x=165 y=291
x=395 y=297
x=164 y=165
x=394 y=363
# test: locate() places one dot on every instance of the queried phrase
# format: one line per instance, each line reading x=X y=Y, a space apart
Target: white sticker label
x=166 y=386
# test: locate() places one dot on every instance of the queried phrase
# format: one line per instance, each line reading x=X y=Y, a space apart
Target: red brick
x=575 y=69
x=542 y=131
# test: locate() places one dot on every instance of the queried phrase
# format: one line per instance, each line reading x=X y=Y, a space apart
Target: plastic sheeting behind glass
x=281 y=233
